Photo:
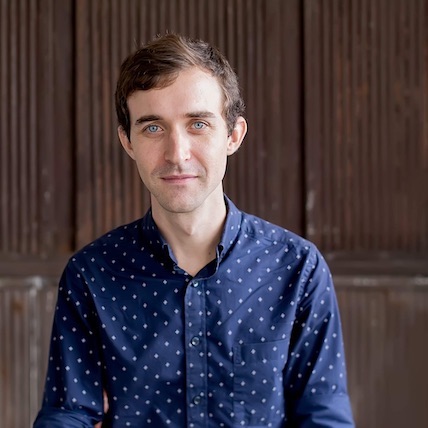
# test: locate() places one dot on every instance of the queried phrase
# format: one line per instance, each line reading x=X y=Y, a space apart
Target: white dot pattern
x=254 y=339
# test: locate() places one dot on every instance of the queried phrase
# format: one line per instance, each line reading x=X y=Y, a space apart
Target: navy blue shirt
x=253 y=340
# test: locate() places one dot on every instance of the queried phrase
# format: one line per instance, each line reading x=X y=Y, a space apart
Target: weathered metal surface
x=35 y=127
x=366 y=127
x=337 y=96
x=26 y=307
x=385 y=320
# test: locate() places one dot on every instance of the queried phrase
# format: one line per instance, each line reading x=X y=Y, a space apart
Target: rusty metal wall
x=35 y=127
x=385 y=319
x=366 y=199
x=26 y=307
x=384 y=311
x=366 y=124
x=337 y=104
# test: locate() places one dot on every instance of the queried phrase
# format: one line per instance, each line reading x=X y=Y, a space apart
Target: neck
x=193 y=237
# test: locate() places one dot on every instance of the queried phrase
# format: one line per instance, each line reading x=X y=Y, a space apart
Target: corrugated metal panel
x=385 y=320
x=26 y=307
x=17 y=141
x=35 y=126
x=366 y=111
x=261 y=39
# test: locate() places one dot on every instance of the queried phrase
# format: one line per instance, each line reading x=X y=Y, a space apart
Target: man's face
x=179 y=141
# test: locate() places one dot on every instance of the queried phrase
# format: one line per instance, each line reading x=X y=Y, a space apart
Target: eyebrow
x=148 y=118
x=201 y=114
x=192 y=115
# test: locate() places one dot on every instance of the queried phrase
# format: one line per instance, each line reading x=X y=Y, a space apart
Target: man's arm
x=73 y=395
x=315 y=375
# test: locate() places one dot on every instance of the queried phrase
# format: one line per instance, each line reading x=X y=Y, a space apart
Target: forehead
x=193 y=90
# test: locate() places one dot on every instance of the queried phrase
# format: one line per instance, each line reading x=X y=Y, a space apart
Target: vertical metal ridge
x=313 y=136
x=32 y=125
x=96 y=178
x=23 y=102
x=4 y=129
x=365 y=116
x=423 y=63
x=113 y=61
x=106 y=118
x=257 y=126
x=328 y=14
x=373 y=119
x=381 y=85
x=84 y=201
x=13 y=123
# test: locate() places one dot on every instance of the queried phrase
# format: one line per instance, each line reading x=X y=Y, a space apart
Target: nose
x=177 y=148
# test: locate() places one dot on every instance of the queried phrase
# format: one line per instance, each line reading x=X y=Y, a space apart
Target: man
x=196 y=315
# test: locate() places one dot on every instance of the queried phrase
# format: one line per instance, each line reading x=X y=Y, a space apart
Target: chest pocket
x=258 y=385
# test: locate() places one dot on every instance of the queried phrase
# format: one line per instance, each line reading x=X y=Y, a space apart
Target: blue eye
x=199 y=125
x=153 y=128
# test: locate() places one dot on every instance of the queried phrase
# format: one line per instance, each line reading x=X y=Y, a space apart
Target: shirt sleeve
x=73 y=390
x=315 y=375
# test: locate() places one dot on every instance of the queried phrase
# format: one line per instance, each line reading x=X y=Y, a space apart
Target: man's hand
x=99 y=424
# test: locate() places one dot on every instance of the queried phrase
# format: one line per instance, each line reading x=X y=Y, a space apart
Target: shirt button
x=195 y=341
x=195 y=284
x=197 y=400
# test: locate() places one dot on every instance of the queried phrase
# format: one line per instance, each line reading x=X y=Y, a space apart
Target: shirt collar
x=151 y=235
x=231 y=229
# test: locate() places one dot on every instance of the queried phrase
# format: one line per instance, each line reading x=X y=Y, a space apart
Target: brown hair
x=157 y=64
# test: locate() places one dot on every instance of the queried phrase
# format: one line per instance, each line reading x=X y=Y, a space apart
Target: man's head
x=179 y=110
x=157 y=65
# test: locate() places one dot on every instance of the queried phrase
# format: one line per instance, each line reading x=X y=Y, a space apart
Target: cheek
x=218 y=164
x=144 y=162
x=212 y=160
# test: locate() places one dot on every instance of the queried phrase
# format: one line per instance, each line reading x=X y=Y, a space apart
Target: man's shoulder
x=268 y=233
x=119 y=237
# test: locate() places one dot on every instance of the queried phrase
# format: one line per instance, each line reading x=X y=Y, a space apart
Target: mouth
x=178 y=179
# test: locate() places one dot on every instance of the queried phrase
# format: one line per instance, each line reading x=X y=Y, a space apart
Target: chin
x=178 y=207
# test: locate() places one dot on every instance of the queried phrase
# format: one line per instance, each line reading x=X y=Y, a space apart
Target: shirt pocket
x=258 y=391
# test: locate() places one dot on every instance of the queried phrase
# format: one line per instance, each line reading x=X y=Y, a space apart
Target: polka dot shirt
x=253 y=340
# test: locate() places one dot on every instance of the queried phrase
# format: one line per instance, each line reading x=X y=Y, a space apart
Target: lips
x=182 y=178
x=178 y=177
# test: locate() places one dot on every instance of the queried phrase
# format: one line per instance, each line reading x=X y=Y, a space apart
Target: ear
x=235 y=139
x=126 y=144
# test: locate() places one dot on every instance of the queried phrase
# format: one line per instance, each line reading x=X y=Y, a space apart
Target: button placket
x=196 y=353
